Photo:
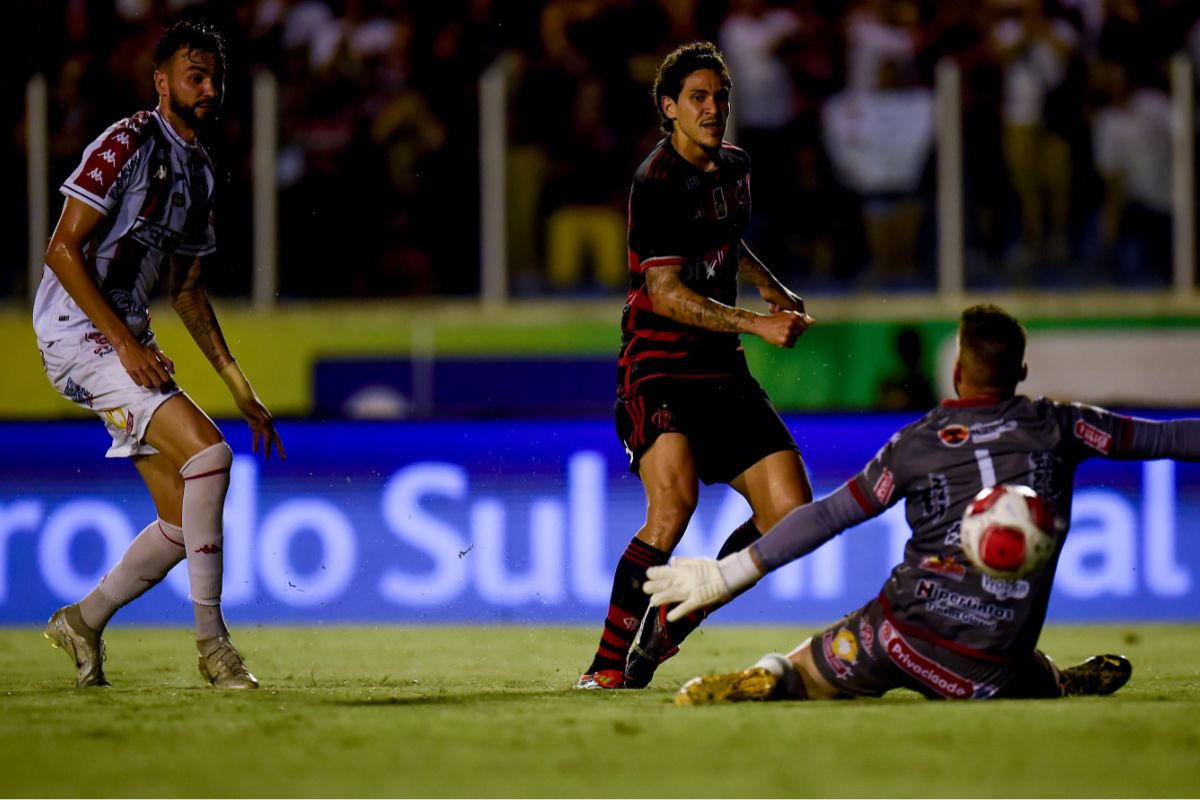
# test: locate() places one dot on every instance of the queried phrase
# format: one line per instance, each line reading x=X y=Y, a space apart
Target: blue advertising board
x=519 y=521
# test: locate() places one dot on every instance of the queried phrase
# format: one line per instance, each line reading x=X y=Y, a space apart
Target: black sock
x=745 y=535
x=627 y=605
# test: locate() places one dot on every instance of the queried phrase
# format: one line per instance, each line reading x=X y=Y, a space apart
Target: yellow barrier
x=278 y=349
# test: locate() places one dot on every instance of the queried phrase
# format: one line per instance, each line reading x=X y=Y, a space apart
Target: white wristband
x=739 y=570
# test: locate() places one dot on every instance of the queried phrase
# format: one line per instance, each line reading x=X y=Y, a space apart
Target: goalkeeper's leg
x=773 y=677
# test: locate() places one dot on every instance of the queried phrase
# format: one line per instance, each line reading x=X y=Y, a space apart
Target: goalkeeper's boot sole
x=601 y=679
x=221 y=665
x=1097 y=675
x=755 y=683
x=86 y=652
x=651 y=648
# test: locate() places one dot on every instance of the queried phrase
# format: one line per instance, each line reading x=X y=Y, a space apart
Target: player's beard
x=188 y=112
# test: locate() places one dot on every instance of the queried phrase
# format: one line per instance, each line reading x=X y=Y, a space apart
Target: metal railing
x=494 y=91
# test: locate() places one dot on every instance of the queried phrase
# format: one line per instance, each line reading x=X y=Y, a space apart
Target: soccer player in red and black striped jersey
x=688 y=409
x=140 y=203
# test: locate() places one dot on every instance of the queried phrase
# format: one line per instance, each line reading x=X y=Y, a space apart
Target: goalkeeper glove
x=696 y=583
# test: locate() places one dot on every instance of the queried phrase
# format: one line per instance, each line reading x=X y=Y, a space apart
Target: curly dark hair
x=195 y=35
x=675 y=68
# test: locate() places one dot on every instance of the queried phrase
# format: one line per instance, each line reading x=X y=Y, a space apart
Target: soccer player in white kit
x=139 y=201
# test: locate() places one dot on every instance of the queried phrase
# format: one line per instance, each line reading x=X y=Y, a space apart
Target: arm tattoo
x=754 y=272
x=190 y=301
x=676 y=301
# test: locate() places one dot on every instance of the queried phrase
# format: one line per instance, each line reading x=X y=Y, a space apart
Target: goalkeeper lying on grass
x=939 y=626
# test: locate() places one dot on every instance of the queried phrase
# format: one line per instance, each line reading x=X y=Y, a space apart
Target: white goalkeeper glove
x=696 y=583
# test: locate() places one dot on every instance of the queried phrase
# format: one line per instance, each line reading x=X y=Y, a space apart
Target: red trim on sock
x=168 y=538
x=207 y=474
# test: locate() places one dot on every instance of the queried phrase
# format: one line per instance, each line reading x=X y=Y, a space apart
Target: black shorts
x=730 y=426
x=864 y=655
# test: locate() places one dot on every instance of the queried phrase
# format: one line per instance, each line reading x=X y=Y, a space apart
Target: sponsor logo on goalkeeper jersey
x=839 y=655
x=866 y=634
x=944 y=681
x=962 y=607
x=991 y=431
x=1043 y=467
x=1093 y=437
x=1003 y=589
x=954 y=435
x=884 y=486
x=953 y=536
x=845 y=646
x=936 y=499
x=948 y=566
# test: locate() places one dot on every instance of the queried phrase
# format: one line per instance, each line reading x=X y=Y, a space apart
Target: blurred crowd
x=1066 y=132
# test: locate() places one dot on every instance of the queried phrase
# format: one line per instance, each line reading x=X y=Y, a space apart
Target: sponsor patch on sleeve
x=1093 y=437
x=884 y=486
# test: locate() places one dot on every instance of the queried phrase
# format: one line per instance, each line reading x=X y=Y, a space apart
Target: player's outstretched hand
x=693 y=583
x=782 y=328
x=146 y=366
x=262 y=425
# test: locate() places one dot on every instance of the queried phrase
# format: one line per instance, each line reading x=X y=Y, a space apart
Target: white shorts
x=87 y=372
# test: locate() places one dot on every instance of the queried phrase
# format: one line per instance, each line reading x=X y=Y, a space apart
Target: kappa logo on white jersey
x=97 y=176
x=122 y=138
x=109 y=156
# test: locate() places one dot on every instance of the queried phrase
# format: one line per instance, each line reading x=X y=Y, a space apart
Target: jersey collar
x=172 y=134
x=973 y=402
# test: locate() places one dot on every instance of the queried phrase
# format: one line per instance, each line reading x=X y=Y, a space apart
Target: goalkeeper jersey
x=937 y=465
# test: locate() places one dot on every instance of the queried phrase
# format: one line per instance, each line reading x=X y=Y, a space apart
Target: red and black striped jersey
x=680 y=215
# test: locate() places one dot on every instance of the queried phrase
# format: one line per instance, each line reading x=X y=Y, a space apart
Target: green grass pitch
x=488 y=712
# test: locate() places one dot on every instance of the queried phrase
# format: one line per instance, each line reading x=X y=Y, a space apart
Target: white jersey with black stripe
x=155 y=191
